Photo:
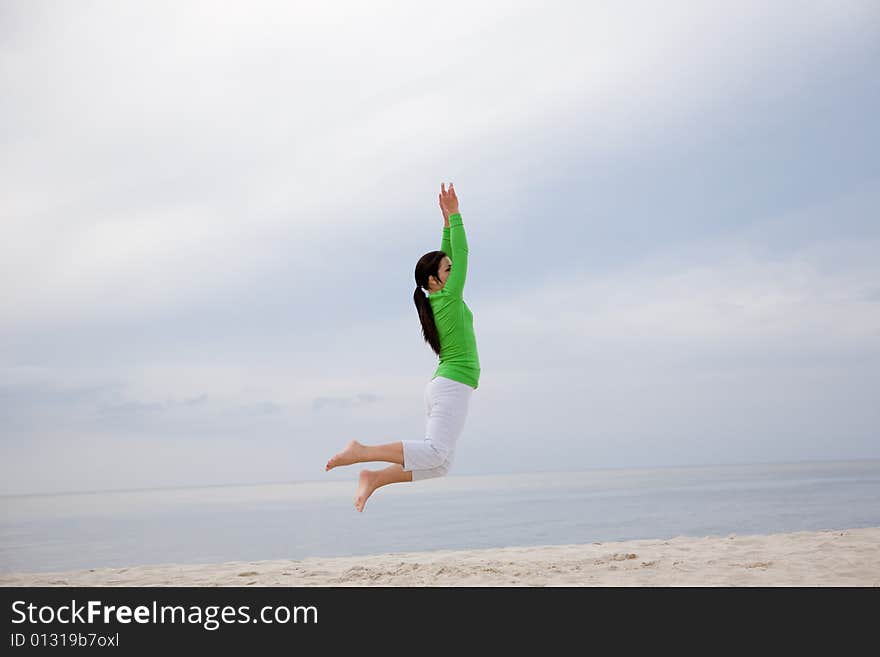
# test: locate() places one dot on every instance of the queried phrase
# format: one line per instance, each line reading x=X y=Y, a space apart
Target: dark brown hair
x=427 y=266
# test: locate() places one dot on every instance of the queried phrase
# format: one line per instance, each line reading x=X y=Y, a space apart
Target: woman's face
x=442 y=273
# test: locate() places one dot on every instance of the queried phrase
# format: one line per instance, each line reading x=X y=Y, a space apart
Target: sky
x=212 y=214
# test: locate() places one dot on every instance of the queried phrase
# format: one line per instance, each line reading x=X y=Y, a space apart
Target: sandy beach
x=843 y=557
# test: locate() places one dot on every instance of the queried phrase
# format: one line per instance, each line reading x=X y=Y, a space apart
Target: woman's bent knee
x=440 y=471
x=439 y=454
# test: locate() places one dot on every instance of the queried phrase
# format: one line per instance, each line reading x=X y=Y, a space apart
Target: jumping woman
x=448 y=327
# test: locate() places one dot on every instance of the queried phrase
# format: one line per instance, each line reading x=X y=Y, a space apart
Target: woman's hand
x=445 y=213
x=448 y=202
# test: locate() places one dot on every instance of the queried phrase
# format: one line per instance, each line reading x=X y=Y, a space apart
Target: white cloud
x=736 y=295
x=160 y=150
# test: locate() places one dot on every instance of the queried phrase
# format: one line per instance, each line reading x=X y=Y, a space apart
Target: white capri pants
x=446 y=405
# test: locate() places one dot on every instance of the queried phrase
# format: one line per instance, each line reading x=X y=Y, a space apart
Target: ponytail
x=428 y=265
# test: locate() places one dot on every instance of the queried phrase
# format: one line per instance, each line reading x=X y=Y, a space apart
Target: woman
x=448 y=327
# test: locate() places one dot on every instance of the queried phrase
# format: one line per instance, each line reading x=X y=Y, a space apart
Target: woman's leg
x=447 y=404
x=355 y=452
x=370 y=480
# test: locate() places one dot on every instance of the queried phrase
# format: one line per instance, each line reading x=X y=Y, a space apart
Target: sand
x=847 y=557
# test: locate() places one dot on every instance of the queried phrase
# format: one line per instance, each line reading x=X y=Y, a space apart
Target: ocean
x=45 y=533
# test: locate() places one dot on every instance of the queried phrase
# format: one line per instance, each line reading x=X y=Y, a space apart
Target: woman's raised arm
x=458 y=251
x=445 y=244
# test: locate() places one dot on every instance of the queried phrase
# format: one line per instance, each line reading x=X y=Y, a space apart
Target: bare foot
x=349 y=455
x=366 y=486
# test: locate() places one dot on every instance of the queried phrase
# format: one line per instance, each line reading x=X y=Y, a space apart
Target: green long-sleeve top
x=459 y=360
